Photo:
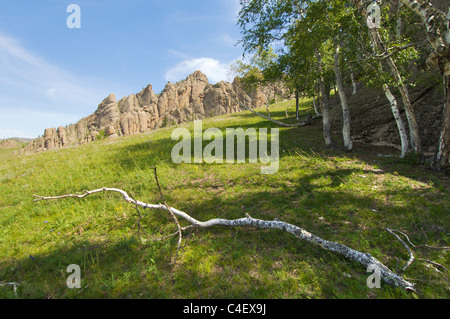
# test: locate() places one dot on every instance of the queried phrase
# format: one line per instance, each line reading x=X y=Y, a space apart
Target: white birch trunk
x=416 y=144
x=324 y=92
x=346 y=131
x=355 y=89
x=316 y=108
x=398 y=120
x=438 y=32
x=442 y=157
x=394 y=106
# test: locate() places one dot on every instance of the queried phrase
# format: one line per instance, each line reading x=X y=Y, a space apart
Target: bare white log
x=365 y=259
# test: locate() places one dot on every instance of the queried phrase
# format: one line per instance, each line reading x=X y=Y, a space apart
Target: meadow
x=348 y=198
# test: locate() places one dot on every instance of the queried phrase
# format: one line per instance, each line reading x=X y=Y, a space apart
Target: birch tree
x=374 y=74
x=348 y=144
x=294 y=23
x=325 y=99
x=270 y=21
x=380 y=47
x=437 y=31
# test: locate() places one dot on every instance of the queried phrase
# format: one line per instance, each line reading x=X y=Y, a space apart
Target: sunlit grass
x=348 y=198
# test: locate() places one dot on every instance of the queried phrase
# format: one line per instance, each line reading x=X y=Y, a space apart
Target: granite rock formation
x=187 y=100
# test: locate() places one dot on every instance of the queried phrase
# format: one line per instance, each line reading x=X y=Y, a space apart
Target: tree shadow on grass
x=157 y=152
x=245 y=263
x=238 y=262
x=308 y=140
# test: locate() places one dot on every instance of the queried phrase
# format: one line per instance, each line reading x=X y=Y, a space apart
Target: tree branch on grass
x=14 y=284
x=364 y=259
x=411 y=256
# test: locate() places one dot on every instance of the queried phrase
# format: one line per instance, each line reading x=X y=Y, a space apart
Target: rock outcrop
x=187 y=100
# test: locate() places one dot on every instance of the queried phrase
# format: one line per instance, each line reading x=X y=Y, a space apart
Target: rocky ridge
x=13 y=142
x=187 y=100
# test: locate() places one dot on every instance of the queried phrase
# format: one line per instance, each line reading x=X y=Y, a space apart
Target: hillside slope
x=372 y=121
x=346 y=198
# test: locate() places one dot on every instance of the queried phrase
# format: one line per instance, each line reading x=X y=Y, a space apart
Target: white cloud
x=25 y=71
x=25 y=122
x=215 y=70
x=44 y=92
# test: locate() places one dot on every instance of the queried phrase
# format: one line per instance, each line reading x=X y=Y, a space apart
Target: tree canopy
x=408 y=36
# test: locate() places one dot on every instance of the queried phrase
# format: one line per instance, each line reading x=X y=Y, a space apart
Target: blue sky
x=52 y=75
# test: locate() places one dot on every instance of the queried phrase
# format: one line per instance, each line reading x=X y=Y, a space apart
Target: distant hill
x=14 y=142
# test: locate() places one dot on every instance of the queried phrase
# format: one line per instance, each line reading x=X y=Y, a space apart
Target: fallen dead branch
x=411 y=256
x=365 y=259
x=14 y=284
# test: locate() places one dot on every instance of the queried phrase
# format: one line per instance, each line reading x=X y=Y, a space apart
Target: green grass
x=344 y=197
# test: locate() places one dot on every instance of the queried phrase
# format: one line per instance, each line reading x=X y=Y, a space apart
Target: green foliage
x=301 y=28
x=164 y=122
x=101 y=135
x=249 y=71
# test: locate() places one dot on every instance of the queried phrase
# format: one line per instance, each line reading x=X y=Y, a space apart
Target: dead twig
x=136 y=207
x=433 y=263
x=174 y=234
x=422 y=245
x=411 y=256
x=180 y=235
x=14 y=284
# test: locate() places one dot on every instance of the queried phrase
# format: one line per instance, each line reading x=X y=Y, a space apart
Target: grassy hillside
x=347 y=198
